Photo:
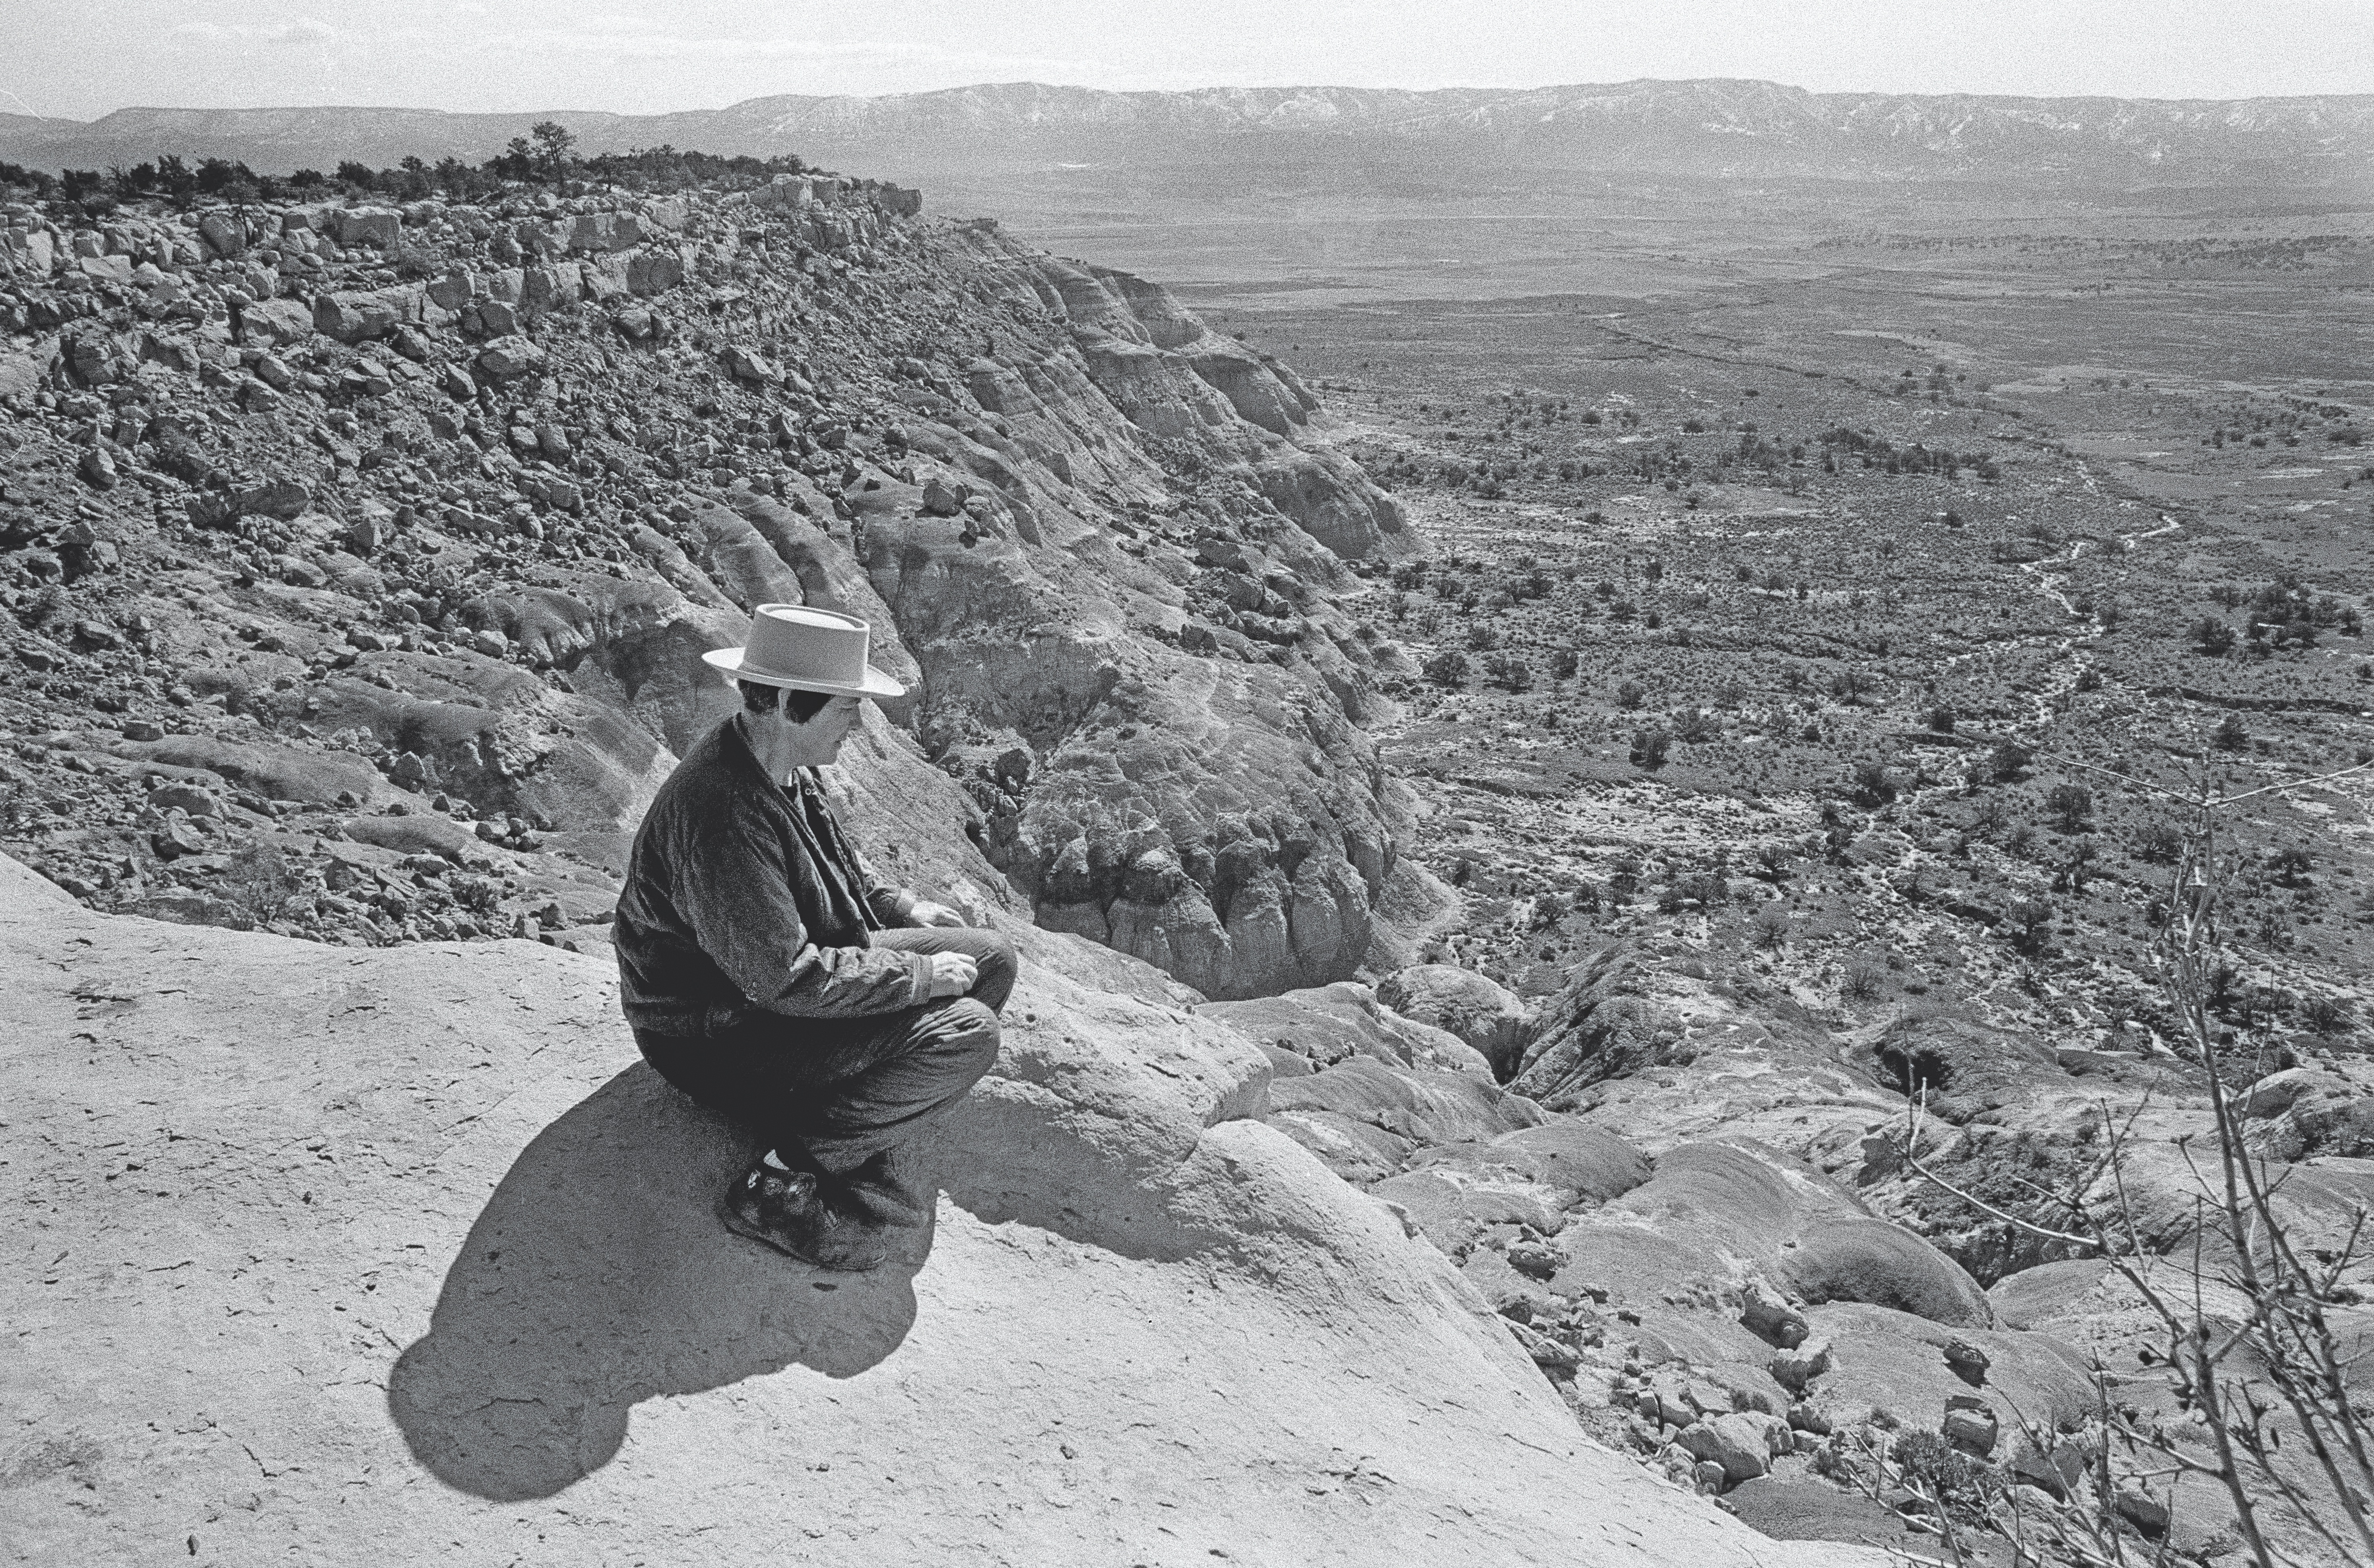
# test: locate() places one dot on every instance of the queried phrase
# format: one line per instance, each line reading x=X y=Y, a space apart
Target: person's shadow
x=597 y=1276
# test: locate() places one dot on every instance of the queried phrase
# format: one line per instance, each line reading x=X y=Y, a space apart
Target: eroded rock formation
x=452 y=497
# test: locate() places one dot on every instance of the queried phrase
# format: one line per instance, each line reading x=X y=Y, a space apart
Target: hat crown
x=799 y=644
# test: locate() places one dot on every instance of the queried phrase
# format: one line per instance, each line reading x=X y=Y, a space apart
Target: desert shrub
x=1508 y=670
x=476 y=895
x=1730 y=695
x=1941 y=721
x=2212 y=635
x=2007 y=762
x=1849 y=684
x=2070 y=805
x=1483 y=637
x=2230 y=736
x=1772 y=930
x=2325 y=1015
x=1696 y=725
x=1650 y=746
x=1862 y=982
x=1706 y=888
x=260 y=880
x=1447 y=668
x=1565 y=662
x=1926 y=1457
x=1549 y=911
x=2030 y=920
x=1630 y=694
x=1874 y=785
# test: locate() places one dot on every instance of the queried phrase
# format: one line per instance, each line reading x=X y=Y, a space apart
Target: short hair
x=798 y=707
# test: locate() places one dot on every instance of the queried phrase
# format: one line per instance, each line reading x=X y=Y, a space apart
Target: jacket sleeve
x=735 y=888
x=892 y=904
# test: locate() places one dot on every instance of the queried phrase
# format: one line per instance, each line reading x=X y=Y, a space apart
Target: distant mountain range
x=1691 y=128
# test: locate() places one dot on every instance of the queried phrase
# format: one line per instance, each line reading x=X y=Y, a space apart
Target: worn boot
x=787 y=1210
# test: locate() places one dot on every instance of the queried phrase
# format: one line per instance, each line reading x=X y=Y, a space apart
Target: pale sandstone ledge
x=330 y=1256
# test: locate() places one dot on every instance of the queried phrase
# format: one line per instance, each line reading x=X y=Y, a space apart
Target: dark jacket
x=743 y=895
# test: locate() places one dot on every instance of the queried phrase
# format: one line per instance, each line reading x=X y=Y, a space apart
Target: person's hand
x=926 y=913
x=952 y=973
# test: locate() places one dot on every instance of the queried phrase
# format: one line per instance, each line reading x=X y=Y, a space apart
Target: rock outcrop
x=325 y=1253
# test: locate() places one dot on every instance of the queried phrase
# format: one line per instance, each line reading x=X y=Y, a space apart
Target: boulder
x=282 y=498
x=416 y=833
x=224 y=235
x=1745 y=1444
x=745 y=364
x=941 y=498
x=379 y=228
x=194 y=799
x=1795 y=1368
x=277 y=773
x=273 y=323
x=1477 y=1009
x=508 y=358
x=353 y=317
x=655 y=269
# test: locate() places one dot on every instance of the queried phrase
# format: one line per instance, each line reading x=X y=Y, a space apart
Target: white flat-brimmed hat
x=807 y=650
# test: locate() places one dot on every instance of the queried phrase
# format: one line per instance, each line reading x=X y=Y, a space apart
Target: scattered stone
x=1794 y=1367
x=507 y=359
x=1771 y=1316
x=746 y=366
x=1743 y=1444
x=2141 y=1509
x=941 y=499
x=189 y=799
x=1970 y=1426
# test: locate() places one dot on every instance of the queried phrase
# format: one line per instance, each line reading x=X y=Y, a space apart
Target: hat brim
x=728 y=662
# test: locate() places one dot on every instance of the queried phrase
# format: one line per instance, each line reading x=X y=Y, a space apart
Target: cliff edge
x=325 y=1251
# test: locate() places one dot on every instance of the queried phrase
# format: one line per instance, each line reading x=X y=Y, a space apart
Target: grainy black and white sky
x=81 y=58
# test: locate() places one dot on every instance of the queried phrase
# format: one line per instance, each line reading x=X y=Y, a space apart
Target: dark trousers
x=829 y=1095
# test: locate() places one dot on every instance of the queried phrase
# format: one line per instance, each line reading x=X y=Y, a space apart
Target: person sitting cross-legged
x=772 y=975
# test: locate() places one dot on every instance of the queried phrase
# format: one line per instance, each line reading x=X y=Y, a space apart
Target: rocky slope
x=322 y=1250
x=360 y=559
x=1670 y=127
x=1698 y=1215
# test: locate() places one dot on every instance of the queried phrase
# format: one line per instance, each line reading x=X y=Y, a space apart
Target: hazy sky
x=80 y=58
